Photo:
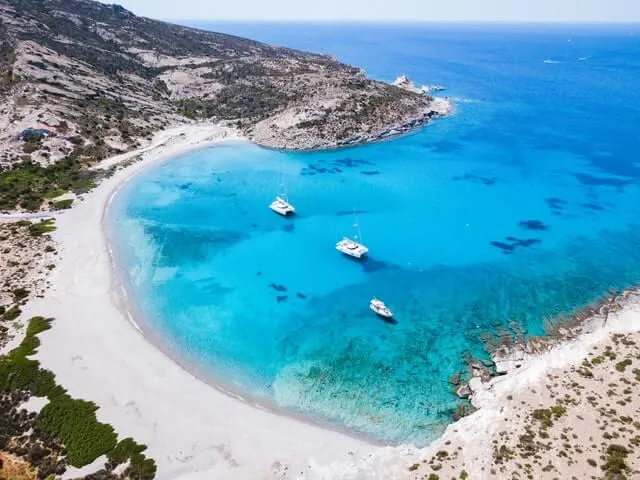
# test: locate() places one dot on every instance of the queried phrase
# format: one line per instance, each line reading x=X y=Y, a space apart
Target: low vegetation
x=28 y=185
x=579 y=422
x=71 y=422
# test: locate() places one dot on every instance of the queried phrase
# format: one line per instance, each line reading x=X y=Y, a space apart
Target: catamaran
x=352 y=247
x=379 y=308
x=281 y=204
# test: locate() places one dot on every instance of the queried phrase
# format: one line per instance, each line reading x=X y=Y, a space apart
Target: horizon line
x=412 y=22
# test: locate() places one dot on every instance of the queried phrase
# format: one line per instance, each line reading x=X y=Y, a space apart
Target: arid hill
x=103 y=78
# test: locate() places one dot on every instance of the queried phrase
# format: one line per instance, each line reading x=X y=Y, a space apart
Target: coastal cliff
x=93 y=80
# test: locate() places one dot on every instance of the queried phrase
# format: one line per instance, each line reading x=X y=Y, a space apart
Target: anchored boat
x=353 y=247
x=281 y=204
x=379 y=308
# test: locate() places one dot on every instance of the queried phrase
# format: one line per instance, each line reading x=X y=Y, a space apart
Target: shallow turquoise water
x=520 y=208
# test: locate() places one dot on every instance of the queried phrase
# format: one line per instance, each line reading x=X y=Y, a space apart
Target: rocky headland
x=84 y=79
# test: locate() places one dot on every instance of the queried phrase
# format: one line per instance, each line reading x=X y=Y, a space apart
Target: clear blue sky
x=390 y=10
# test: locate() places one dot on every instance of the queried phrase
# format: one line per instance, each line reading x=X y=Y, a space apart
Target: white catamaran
x=352 y=247
x=281 y=204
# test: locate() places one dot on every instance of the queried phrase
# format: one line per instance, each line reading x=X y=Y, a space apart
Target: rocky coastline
x=509 y=356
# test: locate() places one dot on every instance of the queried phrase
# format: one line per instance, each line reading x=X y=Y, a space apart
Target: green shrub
x=42 y=227
x=622 y=366
x=11 y=314
x=30 y=147
x=28 y=184
x=62 y=204
x=74 y=423
x=70 y=420
x=19 y=294
x=615 y=463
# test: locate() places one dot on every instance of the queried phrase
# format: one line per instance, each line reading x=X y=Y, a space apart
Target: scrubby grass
x=42 y=227
x=62 y=204
x=622 y=366
x=27 y=184
x=70 y=420
x=11 y=314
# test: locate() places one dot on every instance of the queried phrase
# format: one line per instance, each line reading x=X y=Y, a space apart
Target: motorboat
x=379 y=308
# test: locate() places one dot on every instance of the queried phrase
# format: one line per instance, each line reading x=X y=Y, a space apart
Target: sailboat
x=281 y=204
x=352 y=247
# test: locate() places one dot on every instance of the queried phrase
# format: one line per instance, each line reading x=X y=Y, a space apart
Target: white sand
x=195 y=431
x=192 y=430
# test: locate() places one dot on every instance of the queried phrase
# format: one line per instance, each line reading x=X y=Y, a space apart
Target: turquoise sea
x=518 y=209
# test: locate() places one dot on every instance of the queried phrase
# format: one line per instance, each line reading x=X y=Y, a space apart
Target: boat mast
x=358 y=233
x=283 y=187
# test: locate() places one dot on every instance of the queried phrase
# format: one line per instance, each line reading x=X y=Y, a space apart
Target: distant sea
x=520 y=208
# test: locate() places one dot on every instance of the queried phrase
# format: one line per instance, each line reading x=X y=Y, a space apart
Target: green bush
x=30 y=147
x=140 y=467
x=11 y=314
x=42 y=227
x=70 y=420
x=622 y=366
x=62 y=204
x=27 y=184
x=74 y=423
x=20 y=294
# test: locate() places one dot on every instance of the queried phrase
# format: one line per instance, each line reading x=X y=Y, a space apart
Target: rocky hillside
x=101 y=79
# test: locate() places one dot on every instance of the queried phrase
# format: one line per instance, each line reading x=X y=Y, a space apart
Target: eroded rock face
x=508 y=359
x=91 y=72
x=464 y=391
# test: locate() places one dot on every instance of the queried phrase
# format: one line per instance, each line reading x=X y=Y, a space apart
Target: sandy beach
x=192 y=430
x=195 y=431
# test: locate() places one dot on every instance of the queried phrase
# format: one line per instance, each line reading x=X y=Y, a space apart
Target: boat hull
x=382 y=314
x=282 y=212
x=356 y=255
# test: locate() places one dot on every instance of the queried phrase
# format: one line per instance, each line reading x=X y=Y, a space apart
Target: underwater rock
x=596 y=207
x=533 y=225
x=370 y=172
x=505 y=247
x=594 y=180
x=282 y=298
x=556 y=204
x=476 y=179
x=508 y=248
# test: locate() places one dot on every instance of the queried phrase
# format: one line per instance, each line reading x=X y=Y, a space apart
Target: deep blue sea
x=517 y=210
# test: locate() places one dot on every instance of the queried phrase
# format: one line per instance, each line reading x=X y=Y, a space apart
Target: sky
x=389 y=10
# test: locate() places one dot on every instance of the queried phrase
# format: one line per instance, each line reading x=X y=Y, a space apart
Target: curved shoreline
x=191 y=429
x=136 y=318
